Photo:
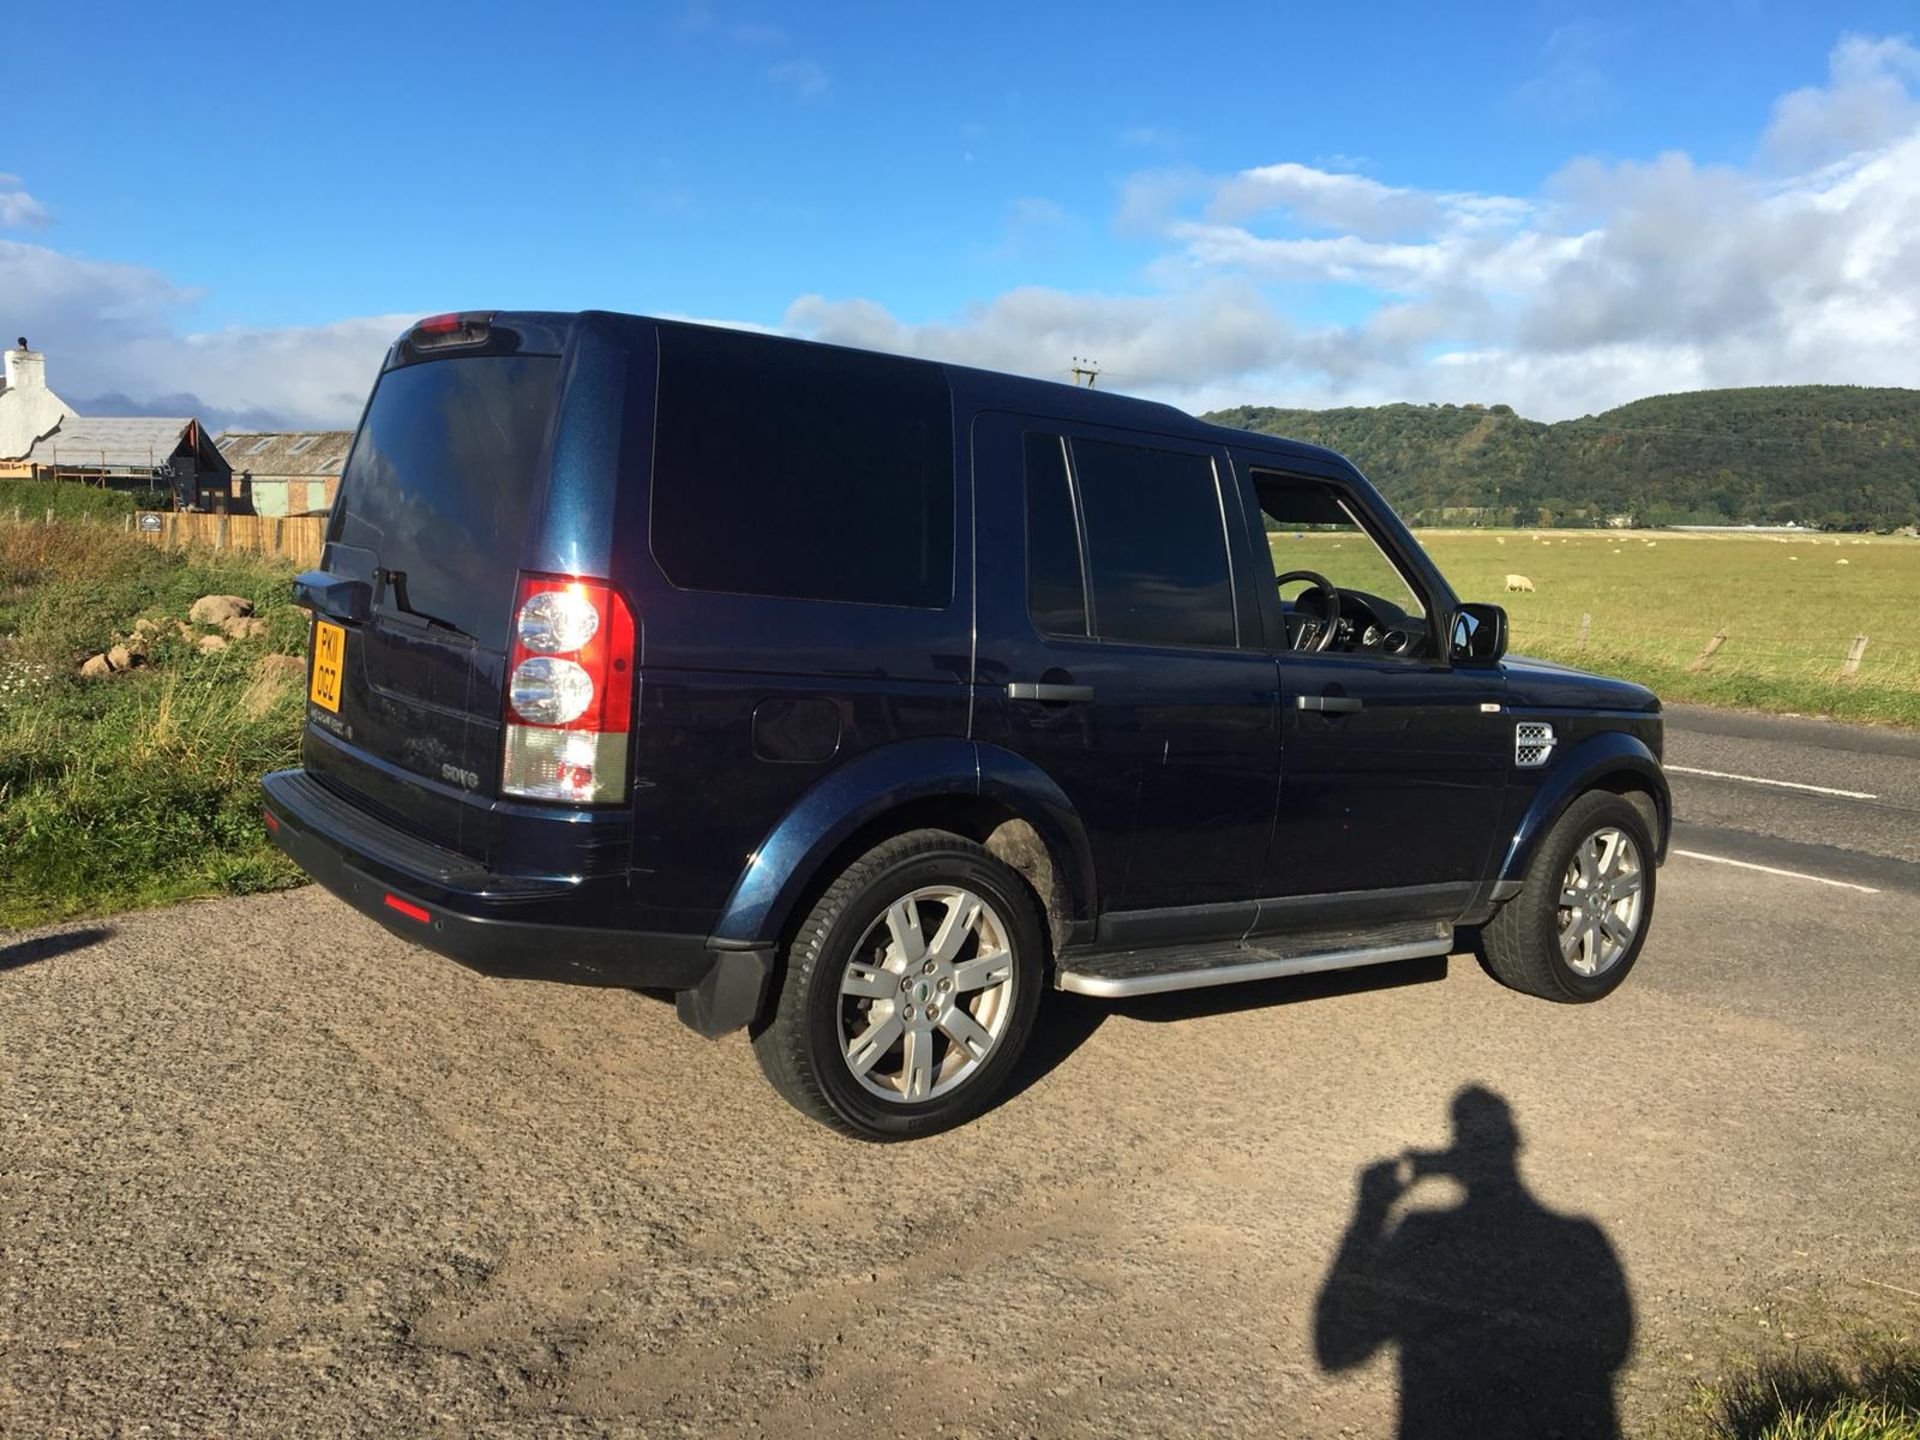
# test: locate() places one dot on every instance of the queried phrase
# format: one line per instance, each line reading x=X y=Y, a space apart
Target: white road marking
x=1783 y=784
x=1770 y=870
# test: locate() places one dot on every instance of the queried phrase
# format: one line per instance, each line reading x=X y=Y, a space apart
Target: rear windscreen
x=440 y=482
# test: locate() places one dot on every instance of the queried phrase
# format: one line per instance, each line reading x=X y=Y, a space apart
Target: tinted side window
x=1156 y=545
x=800 y=471
x=1056 y=590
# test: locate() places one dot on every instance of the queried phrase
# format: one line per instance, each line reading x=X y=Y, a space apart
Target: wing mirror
x=1477 y=634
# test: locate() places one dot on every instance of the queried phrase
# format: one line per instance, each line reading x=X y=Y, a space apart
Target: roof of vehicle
x=993 y=389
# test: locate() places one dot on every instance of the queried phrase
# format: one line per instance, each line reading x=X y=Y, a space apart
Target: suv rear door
x=440 y=492
x=1112 y=605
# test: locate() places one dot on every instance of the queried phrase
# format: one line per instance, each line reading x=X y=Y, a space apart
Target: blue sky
x=1221 y=203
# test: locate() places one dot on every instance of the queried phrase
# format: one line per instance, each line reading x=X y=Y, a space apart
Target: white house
x=29 y=411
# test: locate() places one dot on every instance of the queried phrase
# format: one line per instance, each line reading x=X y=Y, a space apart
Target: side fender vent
x=1532 y=744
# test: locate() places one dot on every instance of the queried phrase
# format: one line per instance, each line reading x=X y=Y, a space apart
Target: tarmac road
x=264 y=1170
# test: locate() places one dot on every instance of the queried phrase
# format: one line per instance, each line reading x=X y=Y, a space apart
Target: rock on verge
x=243 y=627
x=218 y=609
x=96 y=668
x=211 y=644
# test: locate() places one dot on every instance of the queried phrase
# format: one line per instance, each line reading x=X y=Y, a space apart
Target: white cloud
x=1571 y=82
x=1618 y=280
x=1033 y=230
x=1142 y=342
x=1867 y=102
x=807 y=79
x=116 y=329
x=18 y=209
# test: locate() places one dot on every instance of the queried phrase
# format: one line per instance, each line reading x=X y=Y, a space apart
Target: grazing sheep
x=1498 y=540
x=1519 y=582
x=1794 y=558
x=1840 y=562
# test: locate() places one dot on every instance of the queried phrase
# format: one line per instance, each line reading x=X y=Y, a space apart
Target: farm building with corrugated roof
x=286 y=472
x=170 y=452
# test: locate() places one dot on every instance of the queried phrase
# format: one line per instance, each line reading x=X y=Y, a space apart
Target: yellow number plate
x=329 y=660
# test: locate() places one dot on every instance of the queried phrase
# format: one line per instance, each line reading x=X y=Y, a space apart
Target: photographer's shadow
x=1511 y=1320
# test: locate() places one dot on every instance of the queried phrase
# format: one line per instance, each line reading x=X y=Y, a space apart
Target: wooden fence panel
x=298 y=538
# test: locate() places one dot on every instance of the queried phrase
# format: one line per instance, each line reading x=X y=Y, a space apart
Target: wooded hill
x=1837 y=456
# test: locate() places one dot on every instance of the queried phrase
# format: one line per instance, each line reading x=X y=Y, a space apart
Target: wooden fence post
x=1854 y=651
x=49 y=514
x=1586 y=625
x=220 y=533
x=1700 y=660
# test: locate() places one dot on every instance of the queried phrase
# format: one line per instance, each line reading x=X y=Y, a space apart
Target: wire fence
x=1839 y=654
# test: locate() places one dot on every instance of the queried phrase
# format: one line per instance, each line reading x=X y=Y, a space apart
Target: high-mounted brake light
x=569 y=701
x=438 y=332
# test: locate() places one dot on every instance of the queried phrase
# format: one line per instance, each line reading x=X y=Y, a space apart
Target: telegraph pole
x=1088 y=368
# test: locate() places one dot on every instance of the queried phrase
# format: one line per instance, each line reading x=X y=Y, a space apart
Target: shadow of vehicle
x=45 y=947
x=1068 y=1021
x=1511 y=1320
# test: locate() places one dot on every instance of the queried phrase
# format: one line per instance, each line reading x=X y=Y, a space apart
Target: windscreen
x=440 y=483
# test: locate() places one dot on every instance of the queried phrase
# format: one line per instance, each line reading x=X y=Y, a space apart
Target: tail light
x=569 y=691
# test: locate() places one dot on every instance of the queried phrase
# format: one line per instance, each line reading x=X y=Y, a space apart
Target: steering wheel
x=1315 y=635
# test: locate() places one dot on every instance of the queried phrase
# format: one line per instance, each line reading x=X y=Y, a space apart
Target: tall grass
x=140 y=788
x=1872 y=1393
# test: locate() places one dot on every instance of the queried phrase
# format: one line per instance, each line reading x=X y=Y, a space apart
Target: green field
x=1789 y=608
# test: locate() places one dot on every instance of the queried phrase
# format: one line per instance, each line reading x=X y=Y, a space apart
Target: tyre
x=1582 y=916
x=908 y=992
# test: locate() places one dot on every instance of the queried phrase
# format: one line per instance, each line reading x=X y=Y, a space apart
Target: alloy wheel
x=926 y=995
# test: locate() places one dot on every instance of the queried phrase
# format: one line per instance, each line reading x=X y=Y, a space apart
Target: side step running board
x=1152 y=972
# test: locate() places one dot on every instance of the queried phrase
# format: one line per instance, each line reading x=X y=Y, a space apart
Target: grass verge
x=141 y=788
x=1872 y=1392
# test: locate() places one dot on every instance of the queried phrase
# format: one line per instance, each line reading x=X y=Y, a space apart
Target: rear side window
x=441 y=480
x=1156 y=545
x=802 y=472
x=1056 y=588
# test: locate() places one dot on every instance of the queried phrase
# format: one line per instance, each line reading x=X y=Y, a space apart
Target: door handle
x=1342 y=703
x=1049 y=694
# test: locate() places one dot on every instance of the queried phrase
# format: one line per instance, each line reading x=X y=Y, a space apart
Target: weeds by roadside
x=140 y=788
x=1870 y=1393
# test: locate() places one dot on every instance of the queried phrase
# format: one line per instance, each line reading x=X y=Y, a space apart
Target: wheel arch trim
x=1589 y=765
x=787 y=863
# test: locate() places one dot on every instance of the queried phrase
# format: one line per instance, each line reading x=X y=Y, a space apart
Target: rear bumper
x=505 y=925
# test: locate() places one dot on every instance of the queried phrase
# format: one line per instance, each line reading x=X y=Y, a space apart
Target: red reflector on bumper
x=273 y=821
x=407 y=908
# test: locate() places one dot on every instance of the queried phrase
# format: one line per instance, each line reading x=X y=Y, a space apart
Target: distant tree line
x=1841 y=457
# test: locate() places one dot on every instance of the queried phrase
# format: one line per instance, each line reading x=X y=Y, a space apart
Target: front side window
x=802 y=471
x=1156 y=545
x=1311 y=527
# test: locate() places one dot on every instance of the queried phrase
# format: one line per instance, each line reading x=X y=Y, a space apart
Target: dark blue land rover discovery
x=857 y=699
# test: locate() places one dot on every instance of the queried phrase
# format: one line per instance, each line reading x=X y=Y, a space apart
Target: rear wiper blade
x=394 y=582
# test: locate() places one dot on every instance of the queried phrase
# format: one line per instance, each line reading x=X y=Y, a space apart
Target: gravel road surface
x=266 y=1171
